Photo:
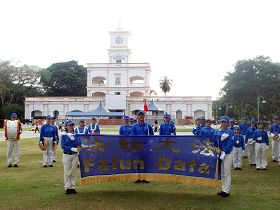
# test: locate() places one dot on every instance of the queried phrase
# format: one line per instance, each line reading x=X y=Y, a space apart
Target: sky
x=194 y=43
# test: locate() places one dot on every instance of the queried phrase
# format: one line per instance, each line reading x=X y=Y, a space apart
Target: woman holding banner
x=225 y=143
x=70 y=145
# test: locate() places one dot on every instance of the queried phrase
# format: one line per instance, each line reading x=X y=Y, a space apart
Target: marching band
x=232 y=141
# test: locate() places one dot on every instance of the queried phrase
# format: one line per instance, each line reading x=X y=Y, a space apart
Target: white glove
x=250 y=141
x=237 y=142
x=74 y=149
x=223 y=154
x=54 y=142
x=267 y=147
x=259 y=138
x=272 y=135
x=41 y=143
x=224 y=136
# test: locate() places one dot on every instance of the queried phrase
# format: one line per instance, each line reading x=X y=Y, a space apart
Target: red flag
x=145 y=107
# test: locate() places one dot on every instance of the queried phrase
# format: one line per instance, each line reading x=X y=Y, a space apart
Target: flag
x=145 y=107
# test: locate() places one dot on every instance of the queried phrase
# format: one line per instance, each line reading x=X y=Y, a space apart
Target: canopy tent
x=100 y=111
x=153 y=107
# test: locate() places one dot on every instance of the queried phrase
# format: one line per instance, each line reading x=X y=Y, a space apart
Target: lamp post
x=258 y=105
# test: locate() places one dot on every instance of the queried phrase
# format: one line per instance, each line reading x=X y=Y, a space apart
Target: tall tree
x=165 y=84
x=251 y=79
x=64 y=79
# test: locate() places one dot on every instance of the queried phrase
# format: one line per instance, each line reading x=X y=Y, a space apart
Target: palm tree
x=165 y=84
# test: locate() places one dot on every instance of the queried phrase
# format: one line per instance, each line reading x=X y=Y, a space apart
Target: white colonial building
x=121 y=86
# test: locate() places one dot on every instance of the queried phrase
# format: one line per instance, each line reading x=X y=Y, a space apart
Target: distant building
x=121 y=86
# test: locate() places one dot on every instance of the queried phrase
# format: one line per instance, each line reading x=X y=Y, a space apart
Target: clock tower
x=119 y=52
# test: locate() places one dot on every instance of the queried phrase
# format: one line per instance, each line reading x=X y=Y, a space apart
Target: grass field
x=32 y=187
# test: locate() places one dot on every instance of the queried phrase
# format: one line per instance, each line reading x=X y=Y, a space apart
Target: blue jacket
x=198 y=129
x=80 y=130
x=48 y=131
x=243 y=127
x=125 y=130
x=91 y=128
x=227 y=144
x=250 y=133
x=207 y=131
x=232 y=128
x=261 y=133
x=274 y=128
x=67 y=143
x=238 y=140
x=142 y=129
x=194 y=130
x=167 y=129
x=56 y=132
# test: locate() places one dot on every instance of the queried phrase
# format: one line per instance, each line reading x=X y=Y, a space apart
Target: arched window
x=136 y=80
x=36 y=113
x=179 y=114
x=99 y=81
x=98 y=94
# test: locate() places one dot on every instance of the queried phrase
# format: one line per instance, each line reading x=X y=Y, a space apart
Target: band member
x=238 y=148
x=131 y=121
x=12 y=135
x=225 y=143
x=202 y=125
x=56 y=140
x=167 y=127
x=48 y=133
x=196 y=125
x=243 y=128
x=275 y=137
x=232 y=122
x=94 y=127
x=141 y=128
x=125 y=129
x=70 y=145
x=81 y=129
x=261 y=148
x=207 y=130
x=250 y=142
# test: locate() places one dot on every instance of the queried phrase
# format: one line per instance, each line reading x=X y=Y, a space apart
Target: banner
x=184 y=159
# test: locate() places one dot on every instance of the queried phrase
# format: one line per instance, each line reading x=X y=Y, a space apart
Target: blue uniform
x=167 y=129
x=194 y=130
x=249 y=133
x=238 y=141
x=198 y=129
x=207 y=131
x=142 y=129
x=48 y=131
x=274 y=128
x=261 y=133
x=232 y=128
x=67 y=143
x=243 y=128
x=225 y=145
x=125 y=130
x=93 y=128
x=80 y=130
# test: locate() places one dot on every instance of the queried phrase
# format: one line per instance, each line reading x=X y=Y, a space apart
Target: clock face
x=119 y=40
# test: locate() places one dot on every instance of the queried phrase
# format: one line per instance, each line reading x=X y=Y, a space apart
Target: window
x=117 y=93
x=118 y=80
x=118 y=61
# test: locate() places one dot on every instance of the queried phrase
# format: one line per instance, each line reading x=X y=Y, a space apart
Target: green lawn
x=32 y=187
